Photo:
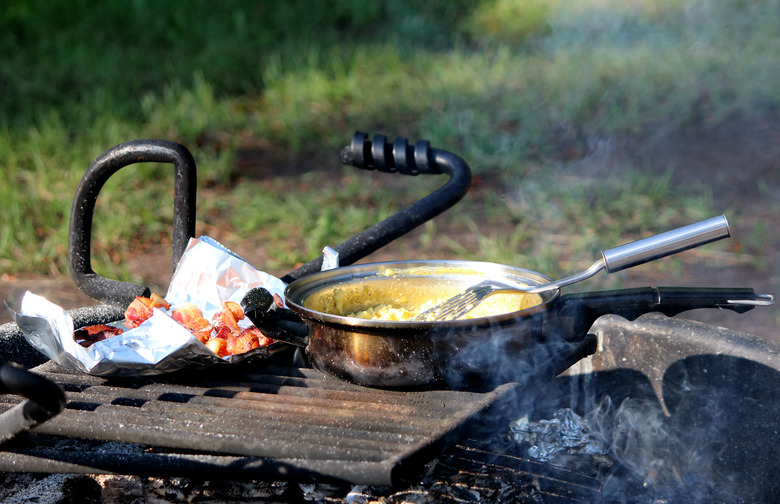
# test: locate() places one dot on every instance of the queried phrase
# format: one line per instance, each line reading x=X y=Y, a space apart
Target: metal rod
x=666 y=244
x=425 y=160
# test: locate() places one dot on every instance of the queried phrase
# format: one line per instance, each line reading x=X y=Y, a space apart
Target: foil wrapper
x=566 y=440
x=207 y=275
x=330 y=259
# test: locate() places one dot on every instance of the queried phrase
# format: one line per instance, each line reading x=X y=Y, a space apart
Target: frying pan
x=468 y=353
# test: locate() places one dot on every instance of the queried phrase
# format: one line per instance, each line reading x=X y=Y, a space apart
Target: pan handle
x=45 y=399
x=398 y=157
x=275 y=322
x=80 y=236
x=584 y=308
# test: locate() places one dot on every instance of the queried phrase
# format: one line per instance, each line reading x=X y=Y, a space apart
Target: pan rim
x=299 y=290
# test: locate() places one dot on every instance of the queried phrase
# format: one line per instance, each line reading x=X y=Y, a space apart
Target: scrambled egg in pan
x=398 y=299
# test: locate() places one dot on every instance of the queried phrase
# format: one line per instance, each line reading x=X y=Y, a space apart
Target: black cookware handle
x=398 y=157
x=45 y=400
x=583 y=309
x=274 y=321
x=80 y=238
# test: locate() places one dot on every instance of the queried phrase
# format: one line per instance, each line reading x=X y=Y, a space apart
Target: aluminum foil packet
x=565 y=440
x=207 y=276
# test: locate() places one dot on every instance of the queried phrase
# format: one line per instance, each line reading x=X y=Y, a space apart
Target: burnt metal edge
x=652 y=343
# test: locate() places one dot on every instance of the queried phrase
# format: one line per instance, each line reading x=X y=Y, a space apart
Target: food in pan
x=221 y=334
x=398 y=300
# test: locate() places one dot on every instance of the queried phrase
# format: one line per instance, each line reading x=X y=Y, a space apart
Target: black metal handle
x=582 y=309
x=277 y=323
x=45 y=400
x=398 y=157
x=80 y=236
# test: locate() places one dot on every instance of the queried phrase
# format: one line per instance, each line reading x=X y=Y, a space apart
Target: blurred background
x=586 y=124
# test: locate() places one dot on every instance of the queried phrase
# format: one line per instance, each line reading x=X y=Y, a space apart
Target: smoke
x=720 y=442
x=712 y=436
x=628 y=447
x=485 y=357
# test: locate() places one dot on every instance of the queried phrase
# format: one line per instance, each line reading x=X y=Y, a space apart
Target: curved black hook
x=80 y=236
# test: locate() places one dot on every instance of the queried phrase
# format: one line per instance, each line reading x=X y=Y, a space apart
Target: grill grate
x=504 y=477
x=273 y=423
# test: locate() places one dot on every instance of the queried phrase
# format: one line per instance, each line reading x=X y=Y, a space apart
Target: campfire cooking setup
x=349 y=382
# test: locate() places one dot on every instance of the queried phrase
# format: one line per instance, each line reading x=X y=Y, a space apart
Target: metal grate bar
x=552 y=484
x=280 y=419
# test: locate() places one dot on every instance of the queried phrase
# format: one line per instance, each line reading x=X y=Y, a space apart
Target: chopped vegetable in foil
x=208 y=276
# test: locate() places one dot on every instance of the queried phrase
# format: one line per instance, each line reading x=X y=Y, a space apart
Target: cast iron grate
x=273 y=423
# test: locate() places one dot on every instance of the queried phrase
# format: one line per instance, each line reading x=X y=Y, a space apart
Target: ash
x=114 y=489
x=446 y=479
x=640 y=455
x=565 y=440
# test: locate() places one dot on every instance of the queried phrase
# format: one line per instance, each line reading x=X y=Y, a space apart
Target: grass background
x=517 y=88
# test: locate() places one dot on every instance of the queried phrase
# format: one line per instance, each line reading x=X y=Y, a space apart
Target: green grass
x=508 y=85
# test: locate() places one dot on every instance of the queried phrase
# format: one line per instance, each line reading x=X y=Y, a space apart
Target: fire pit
x=699 y=423
x=676 y=411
